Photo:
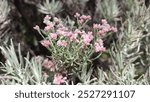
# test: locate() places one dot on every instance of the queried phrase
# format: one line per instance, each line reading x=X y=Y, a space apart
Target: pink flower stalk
x=98 y=46
x=49 y=64
x=36 y=27
x=62 y=43
x=59 y=79
x=53 y=36
x=87 y=38
x=45 y=43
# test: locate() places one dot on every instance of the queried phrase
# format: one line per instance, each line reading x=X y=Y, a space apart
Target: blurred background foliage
x=128 y=56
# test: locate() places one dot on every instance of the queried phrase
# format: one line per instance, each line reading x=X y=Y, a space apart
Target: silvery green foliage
x=135 y=35
x=123 y=70
x=107 y=9
x=130 y=55
x=51 y=8
x=4 y=20
x=20 y=70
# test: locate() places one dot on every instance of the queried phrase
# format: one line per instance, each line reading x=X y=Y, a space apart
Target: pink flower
x=104 y=21
x=98 y=46
x=84 y=17
x=47 y=17
x=45 y=43
x=81 y=21
x=53 y=36
x=101 y=32
x=62 y=43
x=74 y=37
x=106 y=27
x=56 y=20
x=59 y=32
x=49 y=64
x=87 y=38
x=49 y=27
x=63 y=31
x=77 y=15
x=96 y=26
x=68 y=34
x=114 y=29
x=59 y=79
x=36 y=27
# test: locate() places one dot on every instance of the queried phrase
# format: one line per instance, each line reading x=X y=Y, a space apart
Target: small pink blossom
x=49 y=64
x=53 y=36
x=45 y=43
x=49 y=27
x=56 y=20
x=106 y=27
x=81 y=21
x=84 y=17
x=68 y=34
x=59 y=79
x=74 y=37
x=36 y=27
x=62 y=43
x=104 y=21
x=77 y=15
x=114 y=29
x=96 y=26
x=60 y=32
x=98 y=46
x=47 y=17
x=101 y=32
x=87 y=38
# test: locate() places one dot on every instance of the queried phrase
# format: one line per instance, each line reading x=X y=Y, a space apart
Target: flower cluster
x=103 y=28
x=83 y=18
x=99 y=46
x=59 y=79
x=45 y=43
x=69 y=46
